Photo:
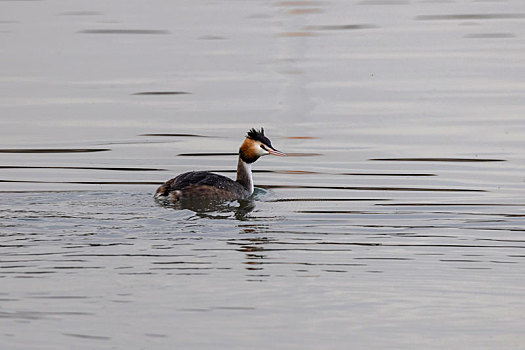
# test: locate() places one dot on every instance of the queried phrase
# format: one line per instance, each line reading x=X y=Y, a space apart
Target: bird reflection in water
x=214 y=209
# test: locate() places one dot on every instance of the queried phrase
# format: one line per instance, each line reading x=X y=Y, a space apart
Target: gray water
x=396 y=223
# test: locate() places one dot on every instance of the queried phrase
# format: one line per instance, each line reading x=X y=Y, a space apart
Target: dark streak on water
x=481 y=16
x=53 y=150
x=207 y=154
x=172 y=135
x=87 y=337
x=387 y=174
x=81 y=13
x=32 y=315
x=383 y=2
x=455 y=204
x=162 y=93
x=341 y=27
x=125 y=31
x=491 y=36
x=329 y=200
x=85 y=182
x=80 y=168
x=368 y=188
x=437 y=160
x=211 y=37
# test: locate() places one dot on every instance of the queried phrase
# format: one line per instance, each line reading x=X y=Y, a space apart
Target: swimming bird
x=209 y=186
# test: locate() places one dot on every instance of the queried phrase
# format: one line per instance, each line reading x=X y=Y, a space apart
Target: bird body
x=204 y=185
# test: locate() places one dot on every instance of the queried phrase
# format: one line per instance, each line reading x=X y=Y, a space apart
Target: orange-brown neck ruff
x=248 y=151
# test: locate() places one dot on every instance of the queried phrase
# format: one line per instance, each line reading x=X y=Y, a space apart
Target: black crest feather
x=258 y=135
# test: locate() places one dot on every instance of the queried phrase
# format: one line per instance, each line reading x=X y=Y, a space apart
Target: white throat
x=244 y=175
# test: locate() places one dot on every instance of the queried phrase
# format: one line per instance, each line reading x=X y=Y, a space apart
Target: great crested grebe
x=209 y=186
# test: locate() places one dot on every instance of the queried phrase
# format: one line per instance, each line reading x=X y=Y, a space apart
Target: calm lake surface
x=398 y=221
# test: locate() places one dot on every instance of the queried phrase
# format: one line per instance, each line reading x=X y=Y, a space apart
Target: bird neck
x=244 y=175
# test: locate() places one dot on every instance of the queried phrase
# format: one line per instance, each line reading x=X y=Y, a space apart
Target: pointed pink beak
x=275 y=152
